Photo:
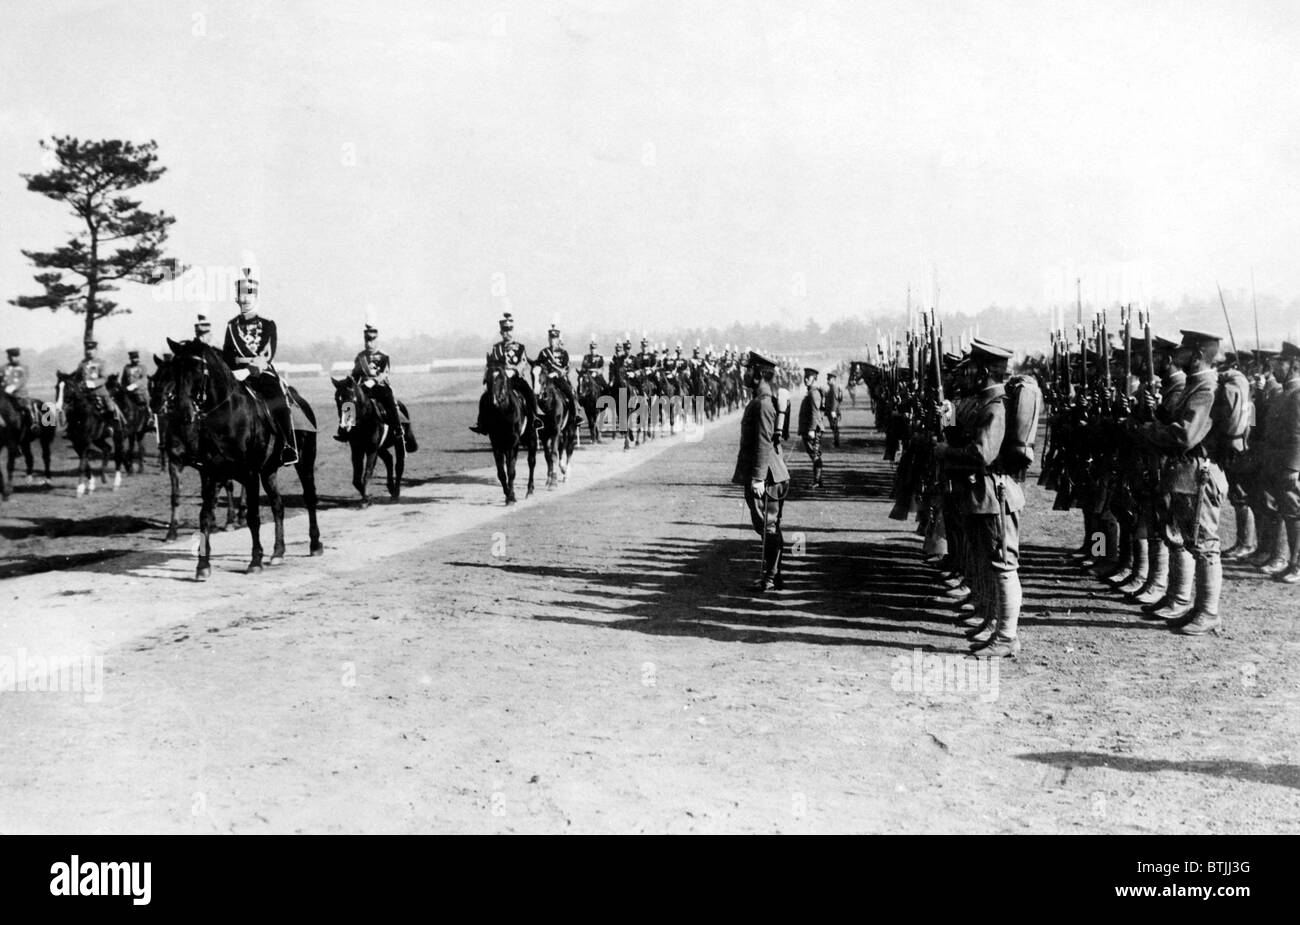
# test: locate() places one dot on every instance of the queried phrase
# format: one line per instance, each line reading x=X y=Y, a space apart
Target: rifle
x=1231 y=339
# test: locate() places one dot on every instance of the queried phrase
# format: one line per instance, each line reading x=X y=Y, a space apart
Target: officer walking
x=760 y=468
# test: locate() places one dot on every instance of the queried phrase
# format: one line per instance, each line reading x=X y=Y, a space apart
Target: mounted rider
x=134 y=381
x=511 y=356
x=553 y=362
x=593 y=365
x=203 y=330
x=14 y=382
x=90 y=372
x=249 y=348
x=370 y=370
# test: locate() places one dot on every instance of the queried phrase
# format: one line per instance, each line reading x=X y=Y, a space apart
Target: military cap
x=554 y=329
x=507 y=322
x=830 y=375
x=202 y=326
x=989 y=350
x=951 y=358
x=593 y=341
x=1198 y=338
x=756 y=359
x=133 y=354
x=13 y=351
x=1265 y=353
x=370 y=329
x=1289 y=351
x=809 y=371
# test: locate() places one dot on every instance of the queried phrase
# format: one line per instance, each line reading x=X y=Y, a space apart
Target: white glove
x=370 y=383
x=757 y=487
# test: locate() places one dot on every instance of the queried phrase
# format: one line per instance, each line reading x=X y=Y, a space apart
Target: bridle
x=200 y=396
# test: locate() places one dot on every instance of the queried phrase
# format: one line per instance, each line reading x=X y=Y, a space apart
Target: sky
x=650 y=165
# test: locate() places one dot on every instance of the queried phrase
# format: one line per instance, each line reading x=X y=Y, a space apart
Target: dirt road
x=595 y=662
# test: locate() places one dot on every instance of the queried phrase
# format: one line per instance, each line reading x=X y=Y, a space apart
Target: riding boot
x=1141 y=566
x=484 y=403
x=1281 y=558
x=284 y=421
x=1005 y=643
x=817 y=473
x=1292 y=574
x=778 y=574
x=1204 y=617
x=1266 y=538
x=1244 y=544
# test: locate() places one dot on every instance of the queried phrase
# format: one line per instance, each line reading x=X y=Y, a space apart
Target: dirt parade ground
x=593 y=660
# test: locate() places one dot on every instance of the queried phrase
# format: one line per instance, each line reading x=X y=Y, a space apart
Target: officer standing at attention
x=834 y=402
x=810 y=422
x=760 y=468
x=988 y=499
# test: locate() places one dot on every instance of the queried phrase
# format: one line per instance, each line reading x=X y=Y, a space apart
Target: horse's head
x=348 y=398
x=200 y=380
x=499 y=384
x=160 y=385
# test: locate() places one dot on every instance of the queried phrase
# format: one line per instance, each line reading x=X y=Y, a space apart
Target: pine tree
x=120 y=240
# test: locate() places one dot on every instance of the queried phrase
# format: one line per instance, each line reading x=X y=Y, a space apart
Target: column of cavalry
x=218 y=405
x=1148 y=437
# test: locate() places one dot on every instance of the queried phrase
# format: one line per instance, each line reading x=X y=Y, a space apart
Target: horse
x=11 y=426
x=38 y=421
x=226 y=432
x=509 y=424
x=369 y=438
x=162 y=398
x=139 y=421
x=89 y=428
x=559 y=429
x=625 y=389
x=591 y=389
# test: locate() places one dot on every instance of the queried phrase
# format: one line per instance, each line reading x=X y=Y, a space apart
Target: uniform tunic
x=759 y=461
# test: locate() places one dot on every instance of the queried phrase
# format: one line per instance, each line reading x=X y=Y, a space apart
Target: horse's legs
x=271 y=482
x=532 y=461
x=505 y=475
x=396 y=469
x=306 y=468
x=174 y=476
x=360 y=471
x=207 y=520
x=254 y=520
x=548 y=450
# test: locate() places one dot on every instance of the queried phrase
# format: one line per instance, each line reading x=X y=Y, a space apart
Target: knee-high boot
x=1266 y=527
x=1244 y=544
x=1178 y=596
x=1141 y=566
x=1292 y=574
x=1204 y=617
x=1005 y=641
x=1157 y=573
x=1281 y=558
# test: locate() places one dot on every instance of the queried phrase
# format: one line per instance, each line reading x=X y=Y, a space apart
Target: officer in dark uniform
x=1282 y=454
x=134 y=381
x=760 y=468
x=988 y=498
x=553 y=361
x=250 y=345
x=811 y=421
x=203 y=330
x=91 y=373
x=14 y=382
x=512 y=356
x=593 y=365
x=834 y=404
x=371 y=370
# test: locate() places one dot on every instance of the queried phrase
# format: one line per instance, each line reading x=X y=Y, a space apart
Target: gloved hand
x=757 y=487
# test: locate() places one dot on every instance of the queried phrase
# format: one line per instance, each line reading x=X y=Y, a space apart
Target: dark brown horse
x=369 y=438
x=226 y=432
x=508 y=425
x=90 y=428
x=139 y=421
x=559 y=432
x=162 y=399
x=11 y=426
x=591 y=389
x=39 y=421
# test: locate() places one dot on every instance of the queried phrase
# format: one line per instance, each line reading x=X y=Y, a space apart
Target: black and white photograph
x=671 y=418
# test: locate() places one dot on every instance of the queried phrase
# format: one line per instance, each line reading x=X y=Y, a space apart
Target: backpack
x=1230 y=416
x=1023 y=402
